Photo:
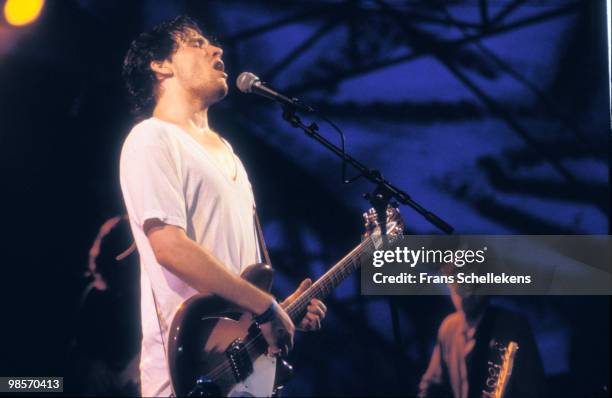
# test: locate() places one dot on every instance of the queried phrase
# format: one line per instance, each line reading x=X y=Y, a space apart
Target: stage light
x=22 y=12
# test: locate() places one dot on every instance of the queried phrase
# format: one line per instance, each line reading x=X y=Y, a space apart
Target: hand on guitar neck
x=315 y=312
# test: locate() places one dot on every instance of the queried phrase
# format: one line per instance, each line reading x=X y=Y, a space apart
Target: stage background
x=492 y=114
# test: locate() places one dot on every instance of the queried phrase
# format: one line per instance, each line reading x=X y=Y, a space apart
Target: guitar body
x=214 y=349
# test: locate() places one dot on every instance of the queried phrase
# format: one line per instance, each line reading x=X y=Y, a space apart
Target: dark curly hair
x=156 y=45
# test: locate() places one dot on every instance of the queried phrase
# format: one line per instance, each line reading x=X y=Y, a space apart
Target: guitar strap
x=263 y=249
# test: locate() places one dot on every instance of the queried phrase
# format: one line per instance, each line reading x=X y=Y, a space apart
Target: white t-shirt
x=166 y=174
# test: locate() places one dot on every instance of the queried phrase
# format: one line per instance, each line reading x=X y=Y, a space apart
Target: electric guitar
x=215 y=348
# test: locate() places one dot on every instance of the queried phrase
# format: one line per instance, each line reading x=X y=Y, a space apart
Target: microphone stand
x=383 y=192
x=380 y=198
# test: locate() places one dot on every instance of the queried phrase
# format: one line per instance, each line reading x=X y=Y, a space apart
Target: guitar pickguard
x=260 y=383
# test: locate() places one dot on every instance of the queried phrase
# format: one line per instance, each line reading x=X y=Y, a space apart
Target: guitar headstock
x=395 y=222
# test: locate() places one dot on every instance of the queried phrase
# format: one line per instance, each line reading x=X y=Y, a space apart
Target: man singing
x=188 y=196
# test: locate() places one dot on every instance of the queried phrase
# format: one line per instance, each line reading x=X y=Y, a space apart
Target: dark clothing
x=458 y=366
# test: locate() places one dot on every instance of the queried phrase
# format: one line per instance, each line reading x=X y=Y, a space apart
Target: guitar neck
x=332 y=278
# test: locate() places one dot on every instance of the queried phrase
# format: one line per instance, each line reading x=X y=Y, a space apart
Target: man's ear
x=162 y=69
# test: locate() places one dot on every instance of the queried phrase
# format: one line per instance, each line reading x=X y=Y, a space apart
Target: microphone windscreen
x=245 y=81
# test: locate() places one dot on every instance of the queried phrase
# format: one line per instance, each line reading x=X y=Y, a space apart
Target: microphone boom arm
x=384 y=190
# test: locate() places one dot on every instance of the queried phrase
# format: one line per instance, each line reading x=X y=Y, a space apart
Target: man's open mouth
x=218 y=65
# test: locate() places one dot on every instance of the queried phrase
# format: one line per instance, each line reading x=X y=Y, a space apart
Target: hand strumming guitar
x=277 y=328
x=279 y=331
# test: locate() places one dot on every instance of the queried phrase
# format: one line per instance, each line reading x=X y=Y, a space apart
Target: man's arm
x=204 y=272
x=200 y=269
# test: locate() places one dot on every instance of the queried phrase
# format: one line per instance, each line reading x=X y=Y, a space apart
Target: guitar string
x=225 y=366
x=346 y=261
x=332 y=274
x=340 y=273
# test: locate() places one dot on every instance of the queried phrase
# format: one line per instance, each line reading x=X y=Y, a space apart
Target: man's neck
x=190 y=114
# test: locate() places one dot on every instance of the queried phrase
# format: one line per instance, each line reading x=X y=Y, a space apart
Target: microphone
x=248 y=83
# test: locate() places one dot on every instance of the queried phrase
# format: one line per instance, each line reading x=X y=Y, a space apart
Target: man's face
x=198 y=67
